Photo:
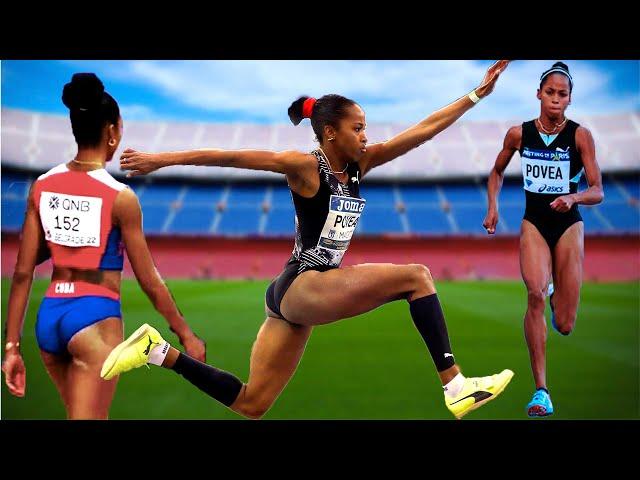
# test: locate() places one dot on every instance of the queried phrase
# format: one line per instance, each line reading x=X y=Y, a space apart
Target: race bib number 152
x=71 y=220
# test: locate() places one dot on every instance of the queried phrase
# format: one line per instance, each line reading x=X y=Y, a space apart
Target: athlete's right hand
x=490 y=222
x=139 y=163
x=194 y=346
x=15 y=374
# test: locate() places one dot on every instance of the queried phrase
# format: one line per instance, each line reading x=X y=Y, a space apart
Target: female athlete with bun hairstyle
x=313 y=289
x=555 y=151
x=82 y=217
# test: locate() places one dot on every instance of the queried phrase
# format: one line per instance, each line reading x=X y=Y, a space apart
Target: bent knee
x=535 y=298
x=421 y=274
x=565 y=323
x=254 y=411
x=253 y=407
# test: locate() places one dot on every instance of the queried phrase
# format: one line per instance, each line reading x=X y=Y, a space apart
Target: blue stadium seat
x=197 y=213
x=281 y=196
x=622 y=216
x=511 y=194
x=464 y=193
x=246 y=195
x=202 y=195
x=378 y=195
x=159 y=194
x=281 y=220
x=427 y=220
x=632 y=186
x=378 y=219
x=16 y=186
x=240 y=220
x=419 y=194
x=592 y=223
x=193 y=219
x=510 y=218
x=154 y=217
x=612 y=191
x=469 y=218
x=13 y=210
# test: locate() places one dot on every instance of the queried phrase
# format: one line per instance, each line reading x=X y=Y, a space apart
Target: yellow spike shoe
x=477 y=391
x=132 y=353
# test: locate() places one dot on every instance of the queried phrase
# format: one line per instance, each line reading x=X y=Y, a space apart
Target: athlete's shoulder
x=513 y=136
x=583 y=132
x=298 y=163
x=62 y=168
x=105 y=178
x=583 y=138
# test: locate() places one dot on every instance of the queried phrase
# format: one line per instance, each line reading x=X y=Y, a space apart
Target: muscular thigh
x=89 y=396
x=57 y=367
x=92 y=344
x=535 y=258
x=322 y=297
x=568 y=258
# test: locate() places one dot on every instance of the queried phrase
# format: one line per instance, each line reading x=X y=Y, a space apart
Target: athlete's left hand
x=490 y=78
x=563 y=204
x=194 y=346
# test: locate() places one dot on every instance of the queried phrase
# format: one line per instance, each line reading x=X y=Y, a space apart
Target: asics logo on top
x=550 y=189
x=148 y=349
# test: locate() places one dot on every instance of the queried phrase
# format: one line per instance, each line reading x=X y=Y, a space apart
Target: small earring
x=331 y=139
x=112 y=142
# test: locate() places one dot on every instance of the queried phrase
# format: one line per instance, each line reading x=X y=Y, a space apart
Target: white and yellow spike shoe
x=477 y=391
x=132 y=353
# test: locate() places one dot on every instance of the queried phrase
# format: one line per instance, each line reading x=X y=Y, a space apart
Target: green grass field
x=374 y=366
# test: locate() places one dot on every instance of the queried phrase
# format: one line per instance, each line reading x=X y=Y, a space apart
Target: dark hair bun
x=561 y=65
x=83 y=92
x=295 y=110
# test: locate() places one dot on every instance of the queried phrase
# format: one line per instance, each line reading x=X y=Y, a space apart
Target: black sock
x=218 y=384
x=542 y=388
x=429 y=320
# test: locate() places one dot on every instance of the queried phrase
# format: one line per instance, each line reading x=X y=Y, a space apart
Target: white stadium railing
x=38 y=141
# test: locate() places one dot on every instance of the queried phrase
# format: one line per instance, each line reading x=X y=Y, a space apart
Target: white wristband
x=473 y=97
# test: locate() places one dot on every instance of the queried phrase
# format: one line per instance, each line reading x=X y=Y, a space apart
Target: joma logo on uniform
x=351 y=206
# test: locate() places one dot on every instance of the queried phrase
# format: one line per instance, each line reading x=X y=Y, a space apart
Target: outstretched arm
x=511 y=143
x=30 y=242
x=128 y=215
x=594 y=194
x=141 y=163
x=381 y=153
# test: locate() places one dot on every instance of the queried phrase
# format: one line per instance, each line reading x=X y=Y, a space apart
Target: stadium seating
x=266 y=209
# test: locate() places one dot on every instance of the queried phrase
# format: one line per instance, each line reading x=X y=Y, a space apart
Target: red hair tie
x=307 y=107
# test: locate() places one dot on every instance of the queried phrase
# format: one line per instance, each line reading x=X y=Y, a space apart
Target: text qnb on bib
x=71 y=220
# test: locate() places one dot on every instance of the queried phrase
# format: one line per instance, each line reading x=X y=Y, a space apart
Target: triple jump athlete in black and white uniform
x=555 y=151
x=324 y=226
x=313 y=290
